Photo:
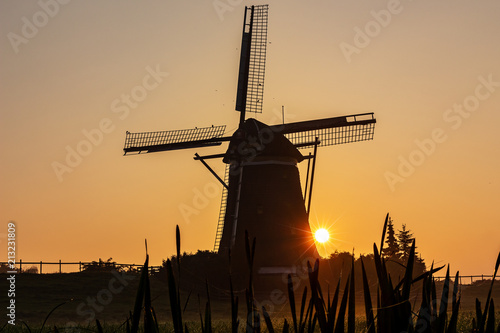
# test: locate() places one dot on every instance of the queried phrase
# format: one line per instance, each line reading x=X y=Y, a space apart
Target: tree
x=101 y=266
x=390 y=251
x=405 y=239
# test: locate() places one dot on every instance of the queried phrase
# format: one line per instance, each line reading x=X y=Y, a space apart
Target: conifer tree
x=405 y=239
x=391 y=249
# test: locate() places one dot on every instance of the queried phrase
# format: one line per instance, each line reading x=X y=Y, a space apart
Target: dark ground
x=110 y=296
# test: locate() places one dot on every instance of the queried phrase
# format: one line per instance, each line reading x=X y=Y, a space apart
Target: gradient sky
x=67 y=74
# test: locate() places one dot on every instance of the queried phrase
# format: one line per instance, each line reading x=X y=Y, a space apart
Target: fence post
x=80 y=265
x=60 y=266
x=40 y=267
x=20 y=265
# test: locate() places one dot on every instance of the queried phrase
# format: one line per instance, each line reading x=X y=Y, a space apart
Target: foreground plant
x=393 y=311
x=485 y=320
x=174 y=289
x=143 y=297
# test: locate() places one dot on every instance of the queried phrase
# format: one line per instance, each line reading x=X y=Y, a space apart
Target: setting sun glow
x=321 y=235
x=425 y=127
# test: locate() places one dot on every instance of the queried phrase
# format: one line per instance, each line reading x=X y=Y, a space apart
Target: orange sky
x=429 y=71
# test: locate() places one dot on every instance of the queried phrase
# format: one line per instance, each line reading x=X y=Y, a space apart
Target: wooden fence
x=463 y=279
x=81 y=265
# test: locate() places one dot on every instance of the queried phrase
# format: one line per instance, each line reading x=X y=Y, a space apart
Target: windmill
x=262 y=193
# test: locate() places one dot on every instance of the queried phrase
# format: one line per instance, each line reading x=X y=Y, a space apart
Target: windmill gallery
x=262 y=193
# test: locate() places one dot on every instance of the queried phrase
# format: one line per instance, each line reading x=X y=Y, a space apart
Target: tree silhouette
x=405 y=239
x=391 y=250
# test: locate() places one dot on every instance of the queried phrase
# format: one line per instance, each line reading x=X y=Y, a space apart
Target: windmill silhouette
x=262 y=193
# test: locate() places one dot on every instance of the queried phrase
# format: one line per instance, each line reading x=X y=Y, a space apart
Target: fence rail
x=463 y=279
x=81 y=265
x=466 y=278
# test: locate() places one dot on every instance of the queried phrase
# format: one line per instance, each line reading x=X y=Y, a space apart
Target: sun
x=321 y=235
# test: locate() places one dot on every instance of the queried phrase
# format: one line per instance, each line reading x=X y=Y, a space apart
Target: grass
x=392 y=312
x=388 y=305
x=221 y=325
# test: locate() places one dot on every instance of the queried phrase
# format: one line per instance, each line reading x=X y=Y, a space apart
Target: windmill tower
x=262 y=193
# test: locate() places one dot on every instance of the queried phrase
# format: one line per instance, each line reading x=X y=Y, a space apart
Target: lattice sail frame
x=170 y=140
x=330 y=131
x=253 y=60
x=333 y=136
x=255 y=92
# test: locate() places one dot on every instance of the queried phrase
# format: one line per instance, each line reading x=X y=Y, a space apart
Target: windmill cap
x=255 y=138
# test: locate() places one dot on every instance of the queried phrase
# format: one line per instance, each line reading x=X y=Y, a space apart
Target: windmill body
x=262 y=193
x=265 y=199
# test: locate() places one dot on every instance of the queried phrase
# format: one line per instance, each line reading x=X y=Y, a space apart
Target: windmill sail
x=250 y=91
x=222 y=211
x=149 y=142
x=330 y=131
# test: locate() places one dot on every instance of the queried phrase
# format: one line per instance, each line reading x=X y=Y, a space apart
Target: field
x=37 y=295
x=197 y=292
